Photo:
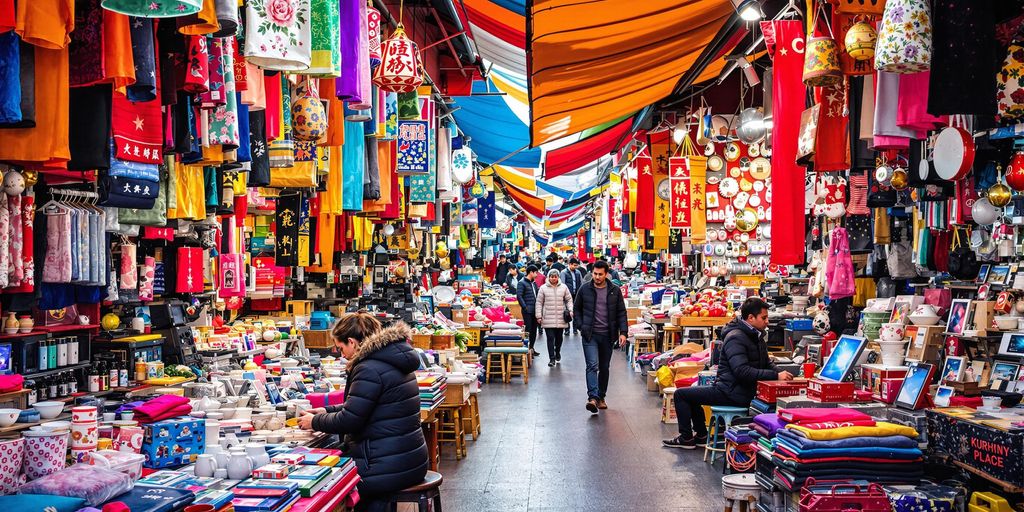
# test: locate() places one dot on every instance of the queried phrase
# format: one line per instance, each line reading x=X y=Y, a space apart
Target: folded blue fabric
x=127 y=192
x=851 y=442
x=134 y=170
x=877 y=452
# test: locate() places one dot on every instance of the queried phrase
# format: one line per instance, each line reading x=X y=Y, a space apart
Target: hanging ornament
x=14 y=183
x=1015 y=172
x=899 y=179
x=983 y=212
x=860 y=41
x=999 y=194
x=388 y=230
x=373 y=30
x=752 y=127
x=477 y=190
x=399 y=69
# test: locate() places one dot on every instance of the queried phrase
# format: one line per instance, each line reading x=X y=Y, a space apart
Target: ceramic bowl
x=991 y=402
x=228 y=412
x=49 y=410
x=56 y=426
x=215 y=415
x=924 y=319
x=8 y=417
x=1006 y=323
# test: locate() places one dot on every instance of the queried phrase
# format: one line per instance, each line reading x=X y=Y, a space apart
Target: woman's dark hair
x=357 y=326
x=601 y=264
x=752 y=307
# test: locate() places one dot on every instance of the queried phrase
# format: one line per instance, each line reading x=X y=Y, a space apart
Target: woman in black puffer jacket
x=380 y=420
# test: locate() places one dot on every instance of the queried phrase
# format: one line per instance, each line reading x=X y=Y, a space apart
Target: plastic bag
x=93 y=484
x=665 y=376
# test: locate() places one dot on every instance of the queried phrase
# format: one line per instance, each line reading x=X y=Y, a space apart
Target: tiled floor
x=541 y=450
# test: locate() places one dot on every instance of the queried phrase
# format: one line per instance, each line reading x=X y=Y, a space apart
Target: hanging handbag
x=808 y=135
x=877 y=265
x=821 y=56
x=963 y=262
x=1010 y=84
x=858 y=194
x=901 y=260
x=904 y=43
x=309 y=118
x=859 y=228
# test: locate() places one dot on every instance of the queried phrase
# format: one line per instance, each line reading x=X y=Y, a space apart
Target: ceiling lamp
x=749 y=10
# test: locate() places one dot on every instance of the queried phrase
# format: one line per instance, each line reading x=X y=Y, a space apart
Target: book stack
x=432 y=389
x=265 y=495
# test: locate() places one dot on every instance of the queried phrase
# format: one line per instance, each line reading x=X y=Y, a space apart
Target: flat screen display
x=843 y=358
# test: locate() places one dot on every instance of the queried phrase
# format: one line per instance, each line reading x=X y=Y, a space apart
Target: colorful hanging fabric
x=144 y=56
x=277 y=34
x=147 y=272
x=28 y=214
x=644 y=192
x=832 y=146
x=286 y=225
x=201 y=23
x=325 y=58
x=215 y=95
x=224 y=120
x=787 y=187
x=86 y=47
x=304 y=245
x=197 y=74
x=373 y=33
x=189 y=270
x=353 y=154
x=151 y=9
x=348 y=86
x=137 y=130
x=679 y=192
x=227 y=17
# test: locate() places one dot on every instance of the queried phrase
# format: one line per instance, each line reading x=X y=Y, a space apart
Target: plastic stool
x=716 y=434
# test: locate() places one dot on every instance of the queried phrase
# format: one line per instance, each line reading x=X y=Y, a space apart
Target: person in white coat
x=554 y=312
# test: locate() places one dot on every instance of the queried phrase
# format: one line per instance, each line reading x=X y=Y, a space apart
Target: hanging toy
x=999 y=194
x=14 y=183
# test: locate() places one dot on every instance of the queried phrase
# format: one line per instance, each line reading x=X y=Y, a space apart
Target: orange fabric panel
x=47 y=142
x=46 y=23
x=594 y=62
x=118 y=62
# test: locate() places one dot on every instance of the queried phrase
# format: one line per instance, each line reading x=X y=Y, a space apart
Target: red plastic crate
x=842 y=496
x=829 y=391
x=770 y=391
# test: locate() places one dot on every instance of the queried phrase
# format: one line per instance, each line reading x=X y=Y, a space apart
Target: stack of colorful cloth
x=843 y=444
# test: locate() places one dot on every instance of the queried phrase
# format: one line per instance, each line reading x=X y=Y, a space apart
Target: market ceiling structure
x=595 y=70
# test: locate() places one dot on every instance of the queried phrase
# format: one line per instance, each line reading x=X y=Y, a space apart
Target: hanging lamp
x=399 y=69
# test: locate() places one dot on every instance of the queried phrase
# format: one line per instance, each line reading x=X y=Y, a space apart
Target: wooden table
x=429 y=424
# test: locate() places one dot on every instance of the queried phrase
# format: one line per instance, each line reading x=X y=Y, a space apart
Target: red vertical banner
x=626 y=194
x=645 y=203
x=614 y=214
x=679 y=192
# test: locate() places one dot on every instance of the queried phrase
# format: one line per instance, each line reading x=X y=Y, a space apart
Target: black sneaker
x=558 y=359
x=551 y=364
x=681 y=442
x=701 y=440
x=592 y=406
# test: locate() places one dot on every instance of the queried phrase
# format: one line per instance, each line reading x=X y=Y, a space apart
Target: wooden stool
x=672 y=336
x=426 y=494
x=471 y=417
x=495 y=364
x=644 y=343
x=518 y=364
x=451 y=429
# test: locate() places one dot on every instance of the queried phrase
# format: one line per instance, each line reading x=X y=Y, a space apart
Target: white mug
x=206 y=465
x=138 y=324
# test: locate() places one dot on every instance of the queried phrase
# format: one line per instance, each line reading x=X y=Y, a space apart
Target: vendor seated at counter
x=743 y=361
x=380 y=419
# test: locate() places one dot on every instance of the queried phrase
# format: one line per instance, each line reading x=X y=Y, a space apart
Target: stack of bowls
x=84 y=431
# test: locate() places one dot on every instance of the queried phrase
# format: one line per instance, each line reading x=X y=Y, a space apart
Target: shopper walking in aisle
x=501 y=272
x=380 y=420
x=554 y=311
x=526 y=295
x=572 y=277
x=743 y=361
x=600 y=314
x=511 y=281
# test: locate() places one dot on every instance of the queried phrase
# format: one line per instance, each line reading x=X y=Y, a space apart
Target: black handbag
x=877 y=265
x=963 y=262
x=860 y=229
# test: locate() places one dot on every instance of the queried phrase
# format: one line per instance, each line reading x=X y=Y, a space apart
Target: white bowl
x=1006 y=323
x=924 y=319
x=49 y=410
x=228 y=412
x=9 y=417
x=56 y=426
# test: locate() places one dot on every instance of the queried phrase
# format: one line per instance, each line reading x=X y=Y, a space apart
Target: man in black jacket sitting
x=743 y=361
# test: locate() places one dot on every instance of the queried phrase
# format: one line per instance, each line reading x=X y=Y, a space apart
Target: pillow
x=40 y=503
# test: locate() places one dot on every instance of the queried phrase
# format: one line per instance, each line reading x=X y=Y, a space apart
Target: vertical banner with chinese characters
x=485 y=211
x=413 y=147
x=304 y=245
x=698 y=215
x=614 y=214
x=626 y=226
x=645 y=204
x=424 y=184
x=660 y=154
x=286 y=250
x=679 y=192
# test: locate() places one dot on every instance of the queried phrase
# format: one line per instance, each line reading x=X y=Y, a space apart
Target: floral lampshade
x=154 y=8
x=373 y=30
x=399 y=69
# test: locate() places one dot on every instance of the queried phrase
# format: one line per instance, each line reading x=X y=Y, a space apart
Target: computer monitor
x=843 y=358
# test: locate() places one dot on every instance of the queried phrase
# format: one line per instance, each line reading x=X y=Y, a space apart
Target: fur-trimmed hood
x=391 y=346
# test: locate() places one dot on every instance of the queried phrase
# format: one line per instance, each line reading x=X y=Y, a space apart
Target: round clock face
x=664 y=189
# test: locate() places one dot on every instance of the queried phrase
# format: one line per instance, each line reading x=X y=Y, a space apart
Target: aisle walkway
x=541 y=450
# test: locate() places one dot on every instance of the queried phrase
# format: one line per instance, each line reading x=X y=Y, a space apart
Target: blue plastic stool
x=720 y=415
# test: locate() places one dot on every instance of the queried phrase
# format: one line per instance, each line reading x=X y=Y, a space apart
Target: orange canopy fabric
x=598 y=60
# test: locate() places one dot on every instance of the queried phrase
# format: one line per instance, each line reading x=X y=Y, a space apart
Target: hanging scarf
x=144 y=55
x=137 y=130
x=16 y=270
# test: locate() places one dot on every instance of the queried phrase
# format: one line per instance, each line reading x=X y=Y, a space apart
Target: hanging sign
x=485 y=213
x=698 y=216
x=679 y=192
x=287 y=221
x=645 y=203
x=614 y=214
x=413 y=147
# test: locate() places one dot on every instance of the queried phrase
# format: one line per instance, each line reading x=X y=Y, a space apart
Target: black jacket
x=381 y=415
x=585 y=306
x=743 y=361
x=526 y=294
x=500 y=272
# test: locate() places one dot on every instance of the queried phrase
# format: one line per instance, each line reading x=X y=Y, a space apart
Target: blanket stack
x=830 y=444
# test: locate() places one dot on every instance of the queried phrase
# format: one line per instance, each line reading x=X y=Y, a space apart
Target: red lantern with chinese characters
x=399 y=69
x=373 y=30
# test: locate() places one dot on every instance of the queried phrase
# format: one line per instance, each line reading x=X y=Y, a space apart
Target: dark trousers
x=688 y=402
x=554 y=336
x=597 y=351
x=530 y=322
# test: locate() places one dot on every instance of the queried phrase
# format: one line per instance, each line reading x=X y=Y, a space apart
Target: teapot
x=206 y=403
x=926 y=310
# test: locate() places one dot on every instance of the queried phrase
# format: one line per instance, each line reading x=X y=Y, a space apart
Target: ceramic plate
x=754 y=150
x=729 y=187
x=715 y=163
x=732 y=151
x=760 y=168
x=709 y=149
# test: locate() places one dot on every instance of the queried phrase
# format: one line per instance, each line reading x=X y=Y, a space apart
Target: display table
x=985 y=444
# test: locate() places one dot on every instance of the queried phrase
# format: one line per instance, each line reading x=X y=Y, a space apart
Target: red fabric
x=569 y=158
x=644 y=192
x=816 y=415
x=161 y=408
x=137 y=127
x=272 y=84
x=829 y=425
x=6 y=15
x=787 y=228
x=839 y=460
x=189 y=270
x=241 y=209
x=832 y=144
x=393 y=209
x=496 y=28
x=9 y=383
x=197 y=76
x=157 y=233
x=116 y=506
x=965 y=401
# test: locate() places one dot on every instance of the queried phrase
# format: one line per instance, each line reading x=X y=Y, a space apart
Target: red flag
x=644 y=192
x=679 y=192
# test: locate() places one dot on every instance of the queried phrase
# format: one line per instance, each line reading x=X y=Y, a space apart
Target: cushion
x=41 y=503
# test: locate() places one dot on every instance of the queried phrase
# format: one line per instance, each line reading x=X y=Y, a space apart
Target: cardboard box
x=456 y=394
x=173 y=442
x=317 y=339
x=460 y=315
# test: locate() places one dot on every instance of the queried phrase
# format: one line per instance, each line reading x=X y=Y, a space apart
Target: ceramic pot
x=25 y=324
x=206 y=465
x=892 y=352
x=926 y=310
x=219 y=454
x=212 y=432
x=239 y=465
x=891 y=332
x=83 y=414
x=11 y=324
x=258 y=454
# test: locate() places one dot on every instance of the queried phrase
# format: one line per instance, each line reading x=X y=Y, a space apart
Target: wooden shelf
x=22 y=335
x=66 y=328
x=18 y=427
x=44 y=373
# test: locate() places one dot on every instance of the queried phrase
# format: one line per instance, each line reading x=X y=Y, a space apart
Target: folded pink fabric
x=820 y=415
x=161 y=408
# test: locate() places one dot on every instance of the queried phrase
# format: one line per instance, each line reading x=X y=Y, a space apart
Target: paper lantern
x=399 y=69
x=860 y=41
x=373 y=30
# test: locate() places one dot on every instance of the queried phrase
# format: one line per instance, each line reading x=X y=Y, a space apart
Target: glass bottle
x=44 y=358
